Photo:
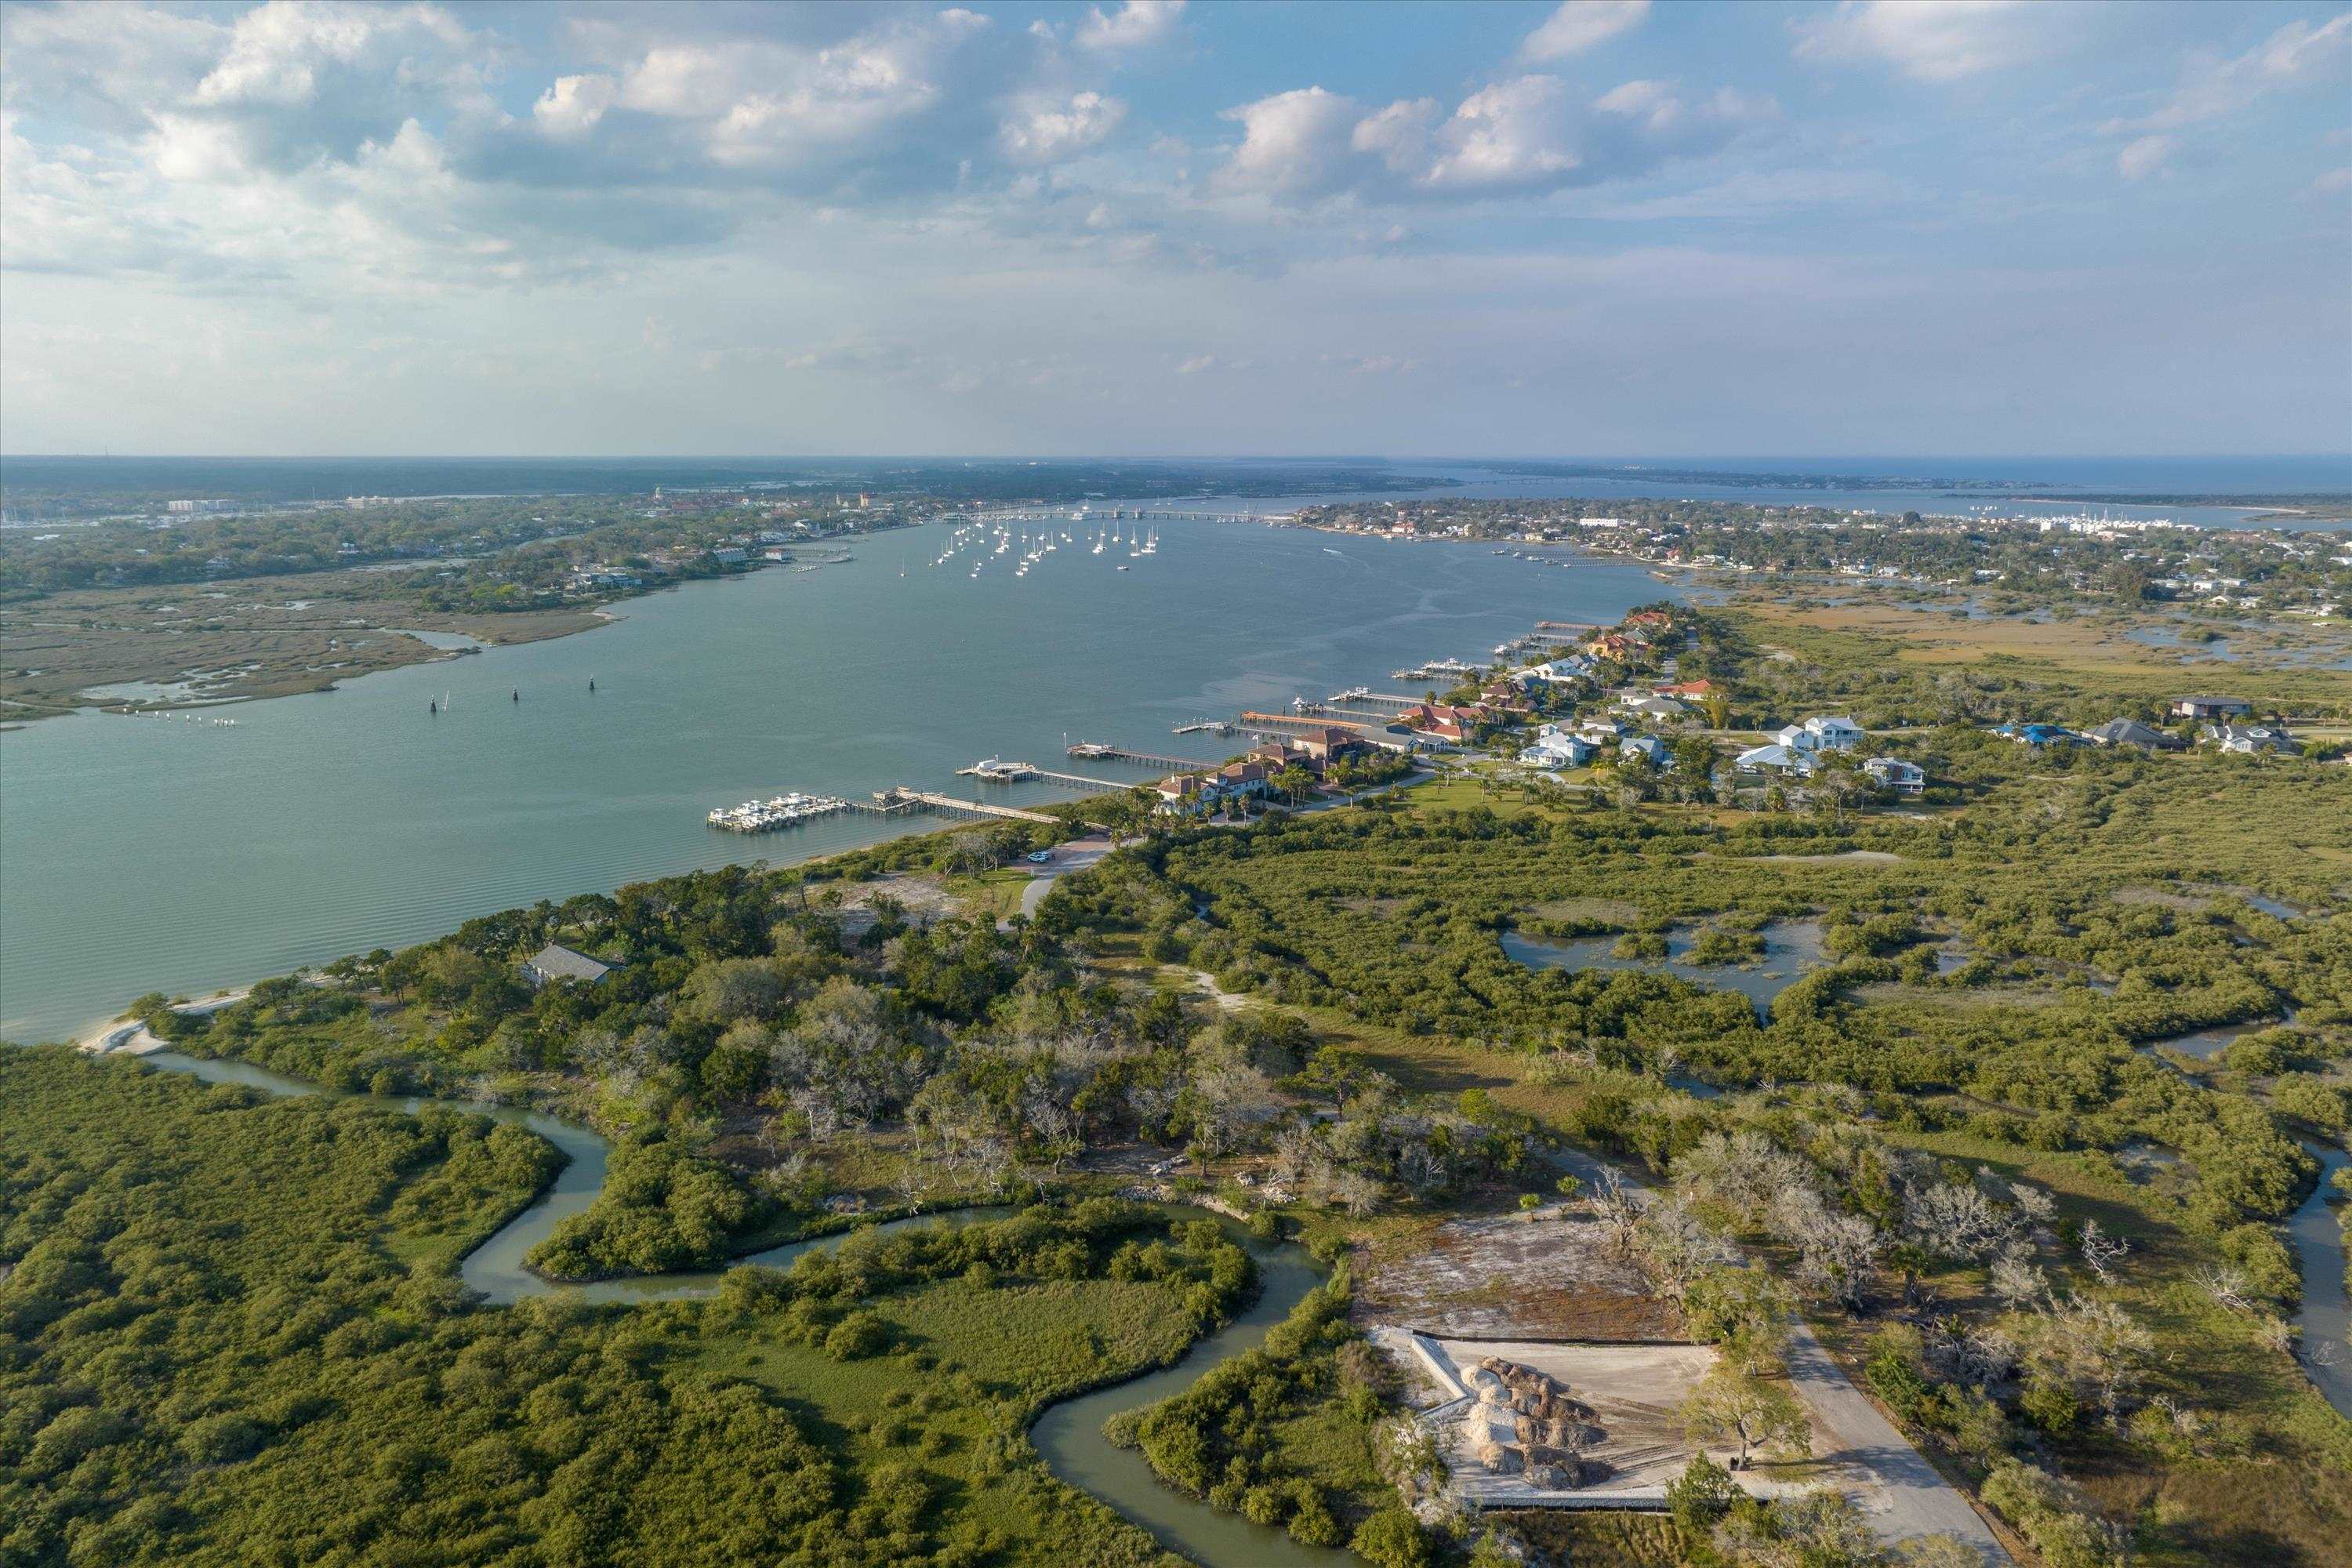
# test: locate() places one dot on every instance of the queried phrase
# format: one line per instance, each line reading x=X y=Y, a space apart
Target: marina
x=1437 y=670
x=779 y=812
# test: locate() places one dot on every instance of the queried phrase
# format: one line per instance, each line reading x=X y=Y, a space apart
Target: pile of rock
x=1548 y=1426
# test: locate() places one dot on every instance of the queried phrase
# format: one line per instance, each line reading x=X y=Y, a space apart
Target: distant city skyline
x=1854 y=229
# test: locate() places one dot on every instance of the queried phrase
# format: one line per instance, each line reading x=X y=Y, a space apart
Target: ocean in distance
x=1911 y=479
x=156 y=853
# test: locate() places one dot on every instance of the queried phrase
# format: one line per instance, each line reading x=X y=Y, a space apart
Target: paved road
x=1077 y=854
x=1911 y=1499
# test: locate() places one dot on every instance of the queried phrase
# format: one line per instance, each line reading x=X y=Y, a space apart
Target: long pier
x=890 y=802
x=1285 y=722
x=1362 y=697
x=1146 y=759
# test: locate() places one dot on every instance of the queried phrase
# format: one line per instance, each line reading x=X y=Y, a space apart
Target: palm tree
x=1717 y=709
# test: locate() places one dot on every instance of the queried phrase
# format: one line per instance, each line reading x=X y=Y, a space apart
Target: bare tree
x=1615 y=1209
x=2227 y=1287
x=2017 y=1281
x=2101 y=1251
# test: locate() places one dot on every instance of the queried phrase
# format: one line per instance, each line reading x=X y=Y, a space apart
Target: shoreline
x=17 y=713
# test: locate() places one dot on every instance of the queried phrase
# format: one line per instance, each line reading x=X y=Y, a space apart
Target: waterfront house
x=1439 y=720
x=1608 y=646
x=555 y=961
x=1560 y=671
x=1328 y=744
x=2132 y=732
x=1895 y=773
x=2210 y=707
x=1183 y=794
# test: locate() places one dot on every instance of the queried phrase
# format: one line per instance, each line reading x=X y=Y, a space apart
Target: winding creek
x=1068 y=1435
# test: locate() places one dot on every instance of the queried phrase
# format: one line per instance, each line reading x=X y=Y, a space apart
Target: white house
x=1560 y=750
x=1834 y=732
x=1648 y=746
x=1648 y=707
x=1895 y=773
x=1553 y=672
x=1600 y=732
x=2247 y=739
x=1777 y=758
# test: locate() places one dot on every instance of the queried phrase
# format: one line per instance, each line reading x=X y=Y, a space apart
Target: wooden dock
x=890 y=802
x=1290 y=724
x=1084 y=749
x=1362 y=697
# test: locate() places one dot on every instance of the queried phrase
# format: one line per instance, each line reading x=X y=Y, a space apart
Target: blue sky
x=1605 y=226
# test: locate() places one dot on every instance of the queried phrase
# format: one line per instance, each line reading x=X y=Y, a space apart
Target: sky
x=1144 y=227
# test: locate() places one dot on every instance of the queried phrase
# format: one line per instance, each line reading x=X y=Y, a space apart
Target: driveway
x=1077 y=854
x=1910 y=1497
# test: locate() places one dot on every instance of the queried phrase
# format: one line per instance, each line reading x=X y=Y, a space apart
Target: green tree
x=1732 y=1406
x=1391 y=1538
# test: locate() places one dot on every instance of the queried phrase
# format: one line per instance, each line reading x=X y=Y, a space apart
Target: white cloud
x=1046 y=130
x=840 y=97
x=2332 y=181
x=1929 y=40
x=571 y=108
x=188 y=148
x=278 y=50
x=1510 y=136
x=1196 y=364
x=2146 y=156
x=1581 y=24
x=1293 y=143
x=1519 y=135
x=2213 y=89
x=1135 y=24
x=686 y=80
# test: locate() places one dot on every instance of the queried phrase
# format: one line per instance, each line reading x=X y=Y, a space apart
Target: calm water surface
x=139 y=853
x=1790 y=948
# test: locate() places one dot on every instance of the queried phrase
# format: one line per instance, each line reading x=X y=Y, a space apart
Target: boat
x=1126 y=568
x=782 y=811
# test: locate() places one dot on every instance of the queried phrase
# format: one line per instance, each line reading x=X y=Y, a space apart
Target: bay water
x=178 y=854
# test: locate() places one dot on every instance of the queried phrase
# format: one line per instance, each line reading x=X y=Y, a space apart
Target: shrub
x=1391 y=1538
x=857 y=1336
